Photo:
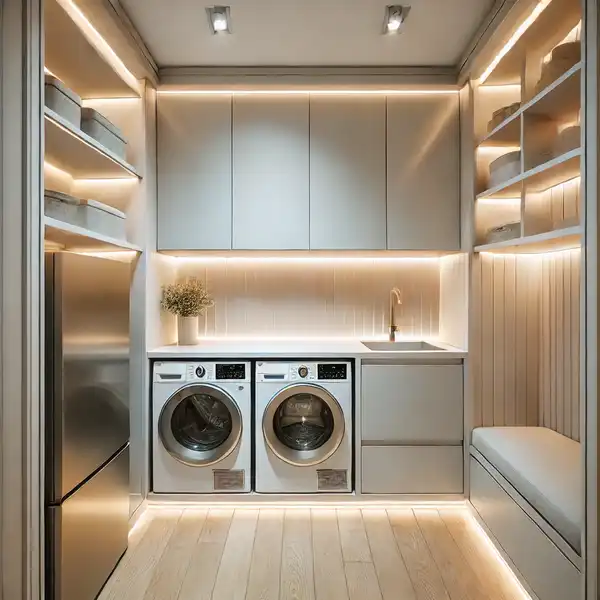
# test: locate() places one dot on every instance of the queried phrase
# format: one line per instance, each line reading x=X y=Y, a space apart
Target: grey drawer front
x=412 y=404
x=412 y=470
x=546 y=569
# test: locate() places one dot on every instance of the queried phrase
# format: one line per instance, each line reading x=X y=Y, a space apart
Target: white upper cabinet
x=423 y=172
x=270 y=173
x=347 y=173
x=194 y=172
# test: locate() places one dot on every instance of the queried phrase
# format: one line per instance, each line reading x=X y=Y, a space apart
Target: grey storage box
x=102 y=219
x=61 y=206
x=103 y=131
x=62 y=100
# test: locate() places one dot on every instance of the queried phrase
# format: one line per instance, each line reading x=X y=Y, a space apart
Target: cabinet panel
x=194 y=172
x=549 y=573
x=347 y=173
x=423 y=172
x=412 y=470
x=412 y=404
x=270 y=173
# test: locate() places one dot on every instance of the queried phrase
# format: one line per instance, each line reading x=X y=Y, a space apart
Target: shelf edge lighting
x=101 y=45
x=516 y=36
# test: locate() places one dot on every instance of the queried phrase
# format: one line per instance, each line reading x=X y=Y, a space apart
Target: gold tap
x=395 y=298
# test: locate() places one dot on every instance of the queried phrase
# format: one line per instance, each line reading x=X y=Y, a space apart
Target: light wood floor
x=297 y=554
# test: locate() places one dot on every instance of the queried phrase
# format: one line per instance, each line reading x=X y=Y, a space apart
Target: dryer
x=201 y=427
x=304 y=427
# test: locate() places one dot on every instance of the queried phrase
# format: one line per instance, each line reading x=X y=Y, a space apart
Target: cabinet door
x=194 y=172
x=412 y=469
x=412 y=404
x=270 y=173
x=347 y=173
x=423 y=172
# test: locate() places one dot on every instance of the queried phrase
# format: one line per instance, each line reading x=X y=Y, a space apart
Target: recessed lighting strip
x=315 y=92
x=516 y=36
x=101 y=45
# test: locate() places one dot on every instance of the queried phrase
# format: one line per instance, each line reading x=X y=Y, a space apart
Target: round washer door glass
x=303 y=424
x=200 y=425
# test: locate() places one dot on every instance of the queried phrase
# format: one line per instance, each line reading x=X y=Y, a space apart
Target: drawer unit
x=549 y=573
x=412 y=470
x=412 y=404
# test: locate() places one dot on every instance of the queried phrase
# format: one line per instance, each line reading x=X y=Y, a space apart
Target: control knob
x=303 y=371
x=200 y=372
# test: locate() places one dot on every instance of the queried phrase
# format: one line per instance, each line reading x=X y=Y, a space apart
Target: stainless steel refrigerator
x=87 y=422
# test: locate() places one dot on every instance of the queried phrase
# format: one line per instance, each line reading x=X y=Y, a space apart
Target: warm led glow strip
x=499 y=558
x=537 y=254
x=497 y=149
x=318 y=340
x=459 y=505
x=62 y=173
x=100 y=43
x=537 y=11
x=499 y=201
x=315 y=92
x=302 y=259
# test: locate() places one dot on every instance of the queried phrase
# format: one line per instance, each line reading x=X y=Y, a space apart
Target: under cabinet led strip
x=311 y=92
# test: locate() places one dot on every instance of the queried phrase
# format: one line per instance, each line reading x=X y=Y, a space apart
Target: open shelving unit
x=72 y=150
x=76 y=163
x=543 y=197
x=550 y=241
x=74 y=238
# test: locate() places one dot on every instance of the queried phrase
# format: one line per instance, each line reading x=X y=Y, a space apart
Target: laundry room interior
x=306 y=303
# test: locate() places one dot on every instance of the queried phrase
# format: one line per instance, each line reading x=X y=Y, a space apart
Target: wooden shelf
x=559 y=239
x=72 y=55
x=72 y=150
x=559 y=100
x=544 y=176
x=72 y=237
x=559 y=17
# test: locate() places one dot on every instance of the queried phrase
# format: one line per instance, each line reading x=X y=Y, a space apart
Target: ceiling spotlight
x=395 y=15
x=219 y=19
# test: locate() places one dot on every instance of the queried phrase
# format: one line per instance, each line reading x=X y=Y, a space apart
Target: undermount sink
x=401 y=346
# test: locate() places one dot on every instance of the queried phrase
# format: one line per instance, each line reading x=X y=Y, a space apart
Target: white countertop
x=326 y=348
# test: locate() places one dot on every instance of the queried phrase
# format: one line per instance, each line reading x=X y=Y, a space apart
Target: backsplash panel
x=317 y=298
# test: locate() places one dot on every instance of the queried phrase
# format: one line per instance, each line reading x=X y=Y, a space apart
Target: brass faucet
x=395 y=298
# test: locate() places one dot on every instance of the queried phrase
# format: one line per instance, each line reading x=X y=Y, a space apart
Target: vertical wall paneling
x=559 y=345
x=454 y=300
x=527 y=311
x=270 y=172
x=317 y=298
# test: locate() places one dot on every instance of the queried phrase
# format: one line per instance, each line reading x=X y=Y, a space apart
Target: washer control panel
x=210 y=372
x=303 y=371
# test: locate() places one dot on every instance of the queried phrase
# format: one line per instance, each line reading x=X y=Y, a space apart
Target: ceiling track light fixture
x=219 y=19
x=395 y=16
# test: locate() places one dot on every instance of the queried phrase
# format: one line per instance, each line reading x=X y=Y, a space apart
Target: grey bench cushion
x=544 y=467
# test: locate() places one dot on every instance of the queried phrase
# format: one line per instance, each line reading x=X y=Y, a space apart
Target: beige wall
x=313 y=298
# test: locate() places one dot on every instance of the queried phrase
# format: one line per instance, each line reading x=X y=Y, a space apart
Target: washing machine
x=303 y=427
x=201 y=424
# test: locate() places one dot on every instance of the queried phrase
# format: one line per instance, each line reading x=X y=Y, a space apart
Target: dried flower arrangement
x=186 y=298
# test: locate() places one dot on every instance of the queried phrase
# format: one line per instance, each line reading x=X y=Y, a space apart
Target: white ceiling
x=306 y=32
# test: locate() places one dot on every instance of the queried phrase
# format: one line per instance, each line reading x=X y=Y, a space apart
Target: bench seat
x=544 y=467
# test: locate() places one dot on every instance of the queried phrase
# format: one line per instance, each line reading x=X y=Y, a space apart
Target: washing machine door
x=303 y=424
x=200 y=425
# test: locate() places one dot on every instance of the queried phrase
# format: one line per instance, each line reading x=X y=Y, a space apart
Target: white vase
x=187 y=331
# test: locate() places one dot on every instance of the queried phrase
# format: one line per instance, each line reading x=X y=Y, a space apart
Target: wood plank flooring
x=301 y=554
